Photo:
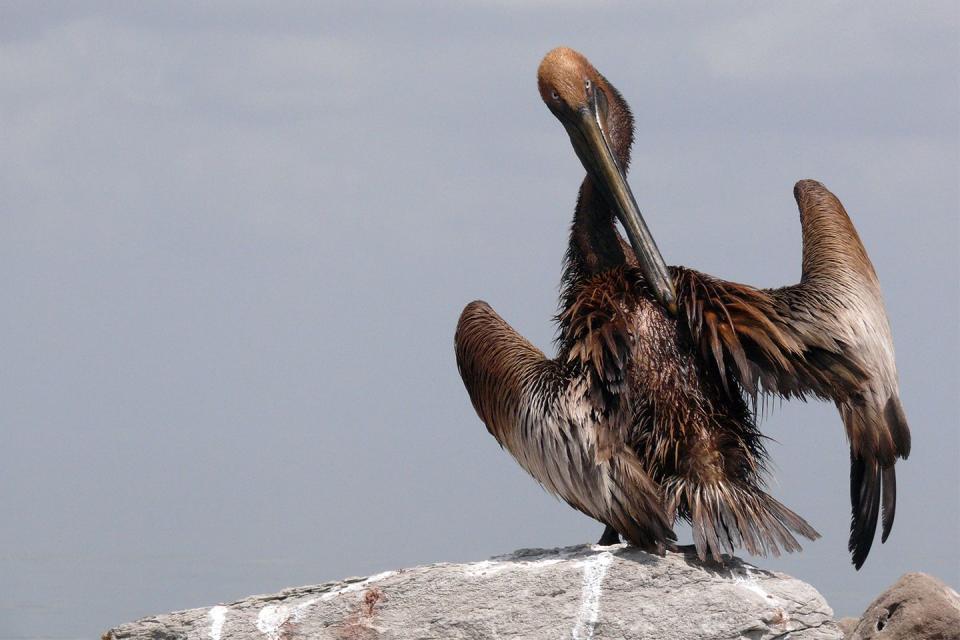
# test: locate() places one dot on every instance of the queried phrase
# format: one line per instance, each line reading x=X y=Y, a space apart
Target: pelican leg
x=686 y=549
x=609 y=537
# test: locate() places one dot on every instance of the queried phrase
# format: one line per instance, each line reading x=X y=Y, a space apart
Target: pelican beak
x=590 y=143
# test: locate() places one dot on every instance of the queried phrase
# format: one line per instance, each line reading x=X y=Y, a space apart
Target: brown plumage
x=544 y=413
x=826 y=337
x=643 y=411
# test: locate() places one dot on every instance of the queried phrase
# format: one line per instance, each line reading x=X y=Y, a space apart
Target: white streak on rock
x=540 y=564
x=951 y=592
x=271 y=619
x=751 y=583
x=594 y=571
x=609 y=547
x=357 y=586
x=493 y=567
x=300 y=610
x=218 y=615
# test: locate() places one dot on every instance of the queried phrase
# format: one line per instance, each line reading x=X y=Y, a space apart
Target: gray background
x=235 y=241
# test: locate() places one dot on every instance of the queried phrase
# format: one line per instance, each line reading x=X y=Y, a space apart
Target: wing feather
x=544 y=413
x=827 y=337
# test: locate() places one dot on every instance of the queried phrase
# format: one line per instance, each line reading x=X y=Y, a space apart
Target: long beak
x=590 y=143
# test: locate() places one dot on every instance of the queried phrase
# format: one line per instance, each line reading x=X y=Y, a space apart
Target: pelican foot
x=690 y=551
x=686 y=549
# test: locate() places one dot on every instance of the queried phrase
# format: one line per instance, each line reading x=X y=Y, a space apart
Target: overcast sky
x=235 y=241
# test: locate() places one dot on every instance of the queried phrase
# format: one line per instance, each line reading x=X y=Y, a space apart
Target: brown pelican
x=644 y=404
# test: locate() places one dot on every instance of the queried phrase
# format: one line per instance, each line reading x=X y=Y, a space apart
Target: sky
x=236 y=240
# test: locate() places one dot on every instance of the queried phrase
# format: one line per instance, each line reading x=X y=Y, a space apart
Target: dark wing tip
x=889 y=479
x=865 y=489
x=896 y=421
x=873 y=479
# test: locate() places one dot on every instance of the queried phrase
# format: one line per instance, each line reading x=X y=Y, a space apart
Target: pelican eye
x=554 y=95
x=587 y=84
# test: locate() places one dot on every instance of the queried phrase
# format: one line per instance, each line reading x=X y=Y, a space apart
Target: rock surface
x=576 y=592
x=918 y=607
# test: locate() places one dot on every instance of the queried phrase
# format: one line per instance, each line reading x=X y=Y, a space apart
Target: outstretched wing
x=540 y=410
x=828 y=337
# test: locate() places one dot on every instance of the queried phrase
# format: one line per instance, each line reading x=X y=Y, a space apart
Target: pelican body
x=643 y=416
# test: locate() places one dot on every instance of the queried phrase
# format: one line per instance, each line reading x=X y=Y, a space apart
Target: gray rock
x=577 y=592
x=918 y=607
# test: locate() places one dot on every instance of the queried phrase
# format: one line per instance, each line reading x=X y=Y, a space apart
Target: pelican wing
x=827 y=337
x=541 y=411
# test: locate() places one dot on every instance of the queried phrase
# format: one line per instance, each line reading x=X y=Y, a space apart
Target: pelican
x=642 y=418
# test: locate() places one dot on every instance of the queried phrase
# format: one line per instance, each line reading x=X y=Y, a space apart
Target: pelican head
x=580 y=98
